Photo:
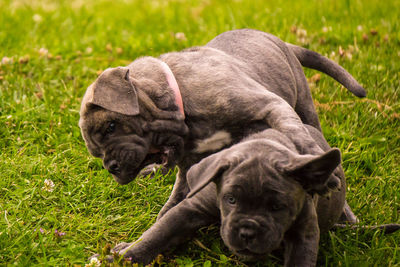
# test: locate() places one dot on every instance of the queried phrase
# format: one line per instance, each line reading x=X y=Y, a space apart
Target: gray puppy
x=184 y=106
x=263 y=196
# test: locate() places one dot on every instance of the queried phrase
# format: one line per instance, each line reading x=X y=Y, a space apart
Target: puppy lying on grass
x=262 y=192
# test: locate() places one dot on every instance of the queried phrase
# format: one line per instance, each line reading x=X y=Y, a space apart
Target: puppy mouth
x=163 y=155
x=155 y=155
x=247 y=254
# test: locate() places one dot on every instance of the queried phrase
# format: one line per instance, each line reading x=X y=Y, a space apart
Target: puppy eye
x=111 y=128
x=276 y=207
x=230 y=199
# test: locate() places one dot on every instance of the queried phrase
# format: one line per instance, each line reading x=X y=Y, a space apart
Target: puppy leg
x=178 y=224
x=280 y=116
x=179 y=192
x=301 y=241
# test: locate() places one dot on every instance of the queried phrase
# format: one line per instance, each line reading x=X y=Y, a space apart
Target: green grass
x=40 y=96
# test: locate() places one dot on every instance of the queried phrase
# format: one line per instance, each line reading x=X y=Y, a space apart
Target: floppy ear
x=314 y=171
x=207 y=170
x=114 y=91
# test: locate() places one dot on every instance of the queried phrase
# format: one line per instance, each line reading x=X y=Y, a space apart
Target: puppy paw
x=121 y=246
x=120 y=253
x=152 y=169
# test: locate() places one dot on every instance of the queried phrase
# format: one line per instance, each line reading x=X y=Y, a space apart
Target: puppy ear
x=206 y=171
x=113 y=90
x=313 y=171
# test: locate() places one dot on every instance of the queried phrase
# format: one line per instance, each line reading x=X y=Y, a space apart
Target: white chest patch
x=213 y=143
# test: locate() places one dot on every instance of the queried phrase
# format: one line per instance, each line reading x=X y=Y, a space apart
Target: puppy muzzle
x=250 y=239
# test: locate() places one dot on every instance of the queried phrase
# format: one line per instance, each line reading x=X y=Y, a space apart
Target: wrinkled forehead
x=94 y=117
x=90 y=123
x=257 y=177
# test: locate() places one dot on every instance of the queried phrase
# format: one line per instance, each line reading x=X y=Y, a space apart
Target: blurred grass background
x=50 y=51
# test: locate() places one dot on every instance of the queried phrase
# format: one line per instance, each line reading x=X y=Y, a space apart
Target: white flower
x=89 y=50
x=327 y=28
x=301 y=33
x=37 y=18
x=94 y=262
x=6 y=60
x=43 y=51
x=180 y=36
x=48 y=185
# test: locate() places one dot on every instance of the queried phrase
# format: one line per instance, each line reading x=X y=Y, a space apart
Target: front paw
x=131 y=252
x=117 y=254
x=120 y=247
x=153 y=169
x=120 y=254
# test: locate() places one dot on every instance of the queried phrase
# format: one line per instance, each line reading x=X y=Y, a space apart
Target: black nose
x=248 y=230
x=113 y=167
x=247 y=234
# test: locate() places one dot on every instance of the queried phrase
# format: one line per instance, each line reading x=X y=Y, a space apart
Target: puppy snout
x=247 y=234
x=248 y=230
x=113 y=167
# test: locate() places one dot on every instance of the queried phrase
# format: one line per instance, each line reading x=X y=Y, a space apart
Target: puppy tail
x=313 y=60
x=386 y=228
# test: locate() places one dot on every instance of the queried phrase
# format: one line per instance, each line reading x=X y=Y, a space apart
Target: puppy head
x=261 y=189
x=115 y=127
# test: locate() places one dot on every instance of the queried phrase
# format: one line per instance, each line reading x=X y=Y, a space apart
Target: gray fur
x=241 y=82
x=270 y=183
